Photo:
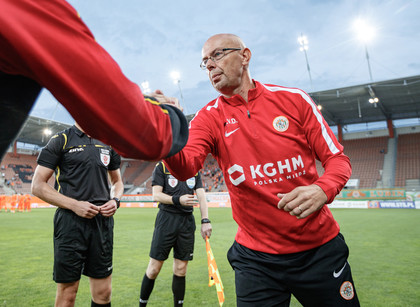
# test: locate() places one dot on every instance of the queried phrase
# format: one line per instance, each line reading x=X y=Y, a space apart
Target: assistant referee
x=174 y=228
x=83 y=222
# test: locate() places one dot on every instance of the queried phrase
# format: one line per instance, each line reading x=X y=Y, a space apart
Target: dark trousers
x=317 y=277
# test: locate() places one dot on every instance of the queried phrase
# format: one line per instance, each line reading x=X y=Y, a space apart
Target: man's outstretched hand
x=159 y=96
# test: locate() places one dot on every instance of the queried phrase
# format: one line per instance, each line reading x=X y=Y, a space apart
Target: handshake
x=158 y=96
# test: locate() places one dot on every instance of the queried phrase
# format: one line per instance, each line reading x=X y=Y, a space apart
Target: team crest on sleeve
x=281 y=123
x=172 y=181
x=191 y=182
x=347 y=291
x=105 y=157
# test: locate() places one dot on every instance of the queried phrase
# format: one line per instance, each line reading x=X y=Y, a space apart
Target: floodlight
x=175 y=75
x=364 y=31
x=303 y=42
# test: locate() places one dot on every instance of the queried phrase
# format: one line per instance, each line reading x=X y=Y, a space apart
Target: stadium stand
x=212 y=176
x=367 y=159
x=130 y=169
x=135 y=175
x=141 y=177
x=18 y=170
x=367 y=155
x=408 y=161
x=145 y=173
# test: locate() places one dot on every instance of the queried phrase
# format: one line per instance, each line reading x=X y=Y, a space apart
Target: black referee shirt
x=81 y=165
x=172 y=186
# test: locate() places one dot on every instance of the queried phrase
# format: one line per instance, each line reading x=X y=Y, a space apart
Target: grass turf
x=384 y=256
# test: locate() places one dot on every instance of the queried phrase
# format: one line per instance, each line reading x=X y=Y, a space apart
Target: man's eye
x=217 y=54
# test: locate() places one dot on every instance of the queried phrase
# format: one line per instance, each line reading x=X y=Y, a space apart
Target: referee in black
x=83 y=222
x=174 y=228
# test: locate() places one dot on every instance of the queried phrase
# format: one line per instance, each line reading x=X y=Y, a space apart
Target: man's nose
x=211 y=64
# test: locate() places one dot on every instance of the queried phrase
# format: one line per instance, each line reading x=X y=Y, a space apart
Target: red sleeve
x=46 y=41
x=190 y=159
x=326 y=148
x=337 y=173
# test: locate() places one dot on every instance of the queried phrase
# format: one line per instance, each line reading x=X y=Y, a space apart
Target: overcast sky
x=149 y=39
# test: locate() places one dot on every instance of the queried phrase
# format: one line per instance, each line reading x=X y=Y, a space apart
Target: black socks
x=178 y=289
x=146 y=289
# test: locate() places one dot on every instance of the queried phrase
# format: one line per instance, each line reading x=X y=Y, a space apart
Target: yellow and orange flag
x=214 y=275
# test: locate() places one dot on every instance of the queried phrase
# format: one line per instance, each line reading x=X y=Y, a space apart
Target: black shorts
x=318 y=277
x=173 y=231
x=82 y=246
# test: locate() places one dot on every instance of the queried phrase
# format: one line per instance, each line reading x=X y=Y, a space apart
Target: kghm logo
x=269 y=172
x=281 y=123
x=240 y=176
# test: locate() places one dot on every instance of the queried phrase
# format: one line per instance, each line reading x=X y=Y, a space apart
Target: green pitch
x=384 y=255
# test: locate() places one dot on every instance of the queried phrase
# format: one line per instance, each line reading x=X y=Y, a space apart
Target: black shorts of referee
x=175 y=231
x=82 y=246
x=317 y=277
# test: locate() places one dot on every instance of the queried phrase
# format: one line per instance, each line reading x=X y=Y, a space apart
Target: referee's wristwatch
x=205 y=221
x=117 y=200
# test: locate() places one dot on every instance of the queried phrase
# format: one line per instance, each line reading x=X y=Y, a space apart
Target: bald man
x=266 y=138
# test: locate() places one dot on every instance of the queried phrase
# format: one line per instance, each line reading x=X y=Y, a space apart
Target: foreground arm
x=43 y=190
x=200 y=143
x=46 y=41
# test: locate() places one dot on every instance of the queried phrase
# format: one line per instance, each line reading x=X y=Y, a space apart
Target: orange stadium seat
x=408 y=158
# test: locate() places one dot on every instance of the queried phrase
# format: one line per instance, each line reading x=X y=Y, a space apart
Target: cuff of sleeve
x=330 y=192
x=179 y=129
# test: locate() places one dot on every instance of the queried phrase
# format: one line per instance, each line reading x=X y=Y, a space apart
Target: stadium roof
x=33 y=130
x=398 y=99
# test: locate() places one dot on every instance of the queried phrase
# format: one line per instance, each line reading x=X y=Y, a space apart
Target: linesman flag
x=214 y=276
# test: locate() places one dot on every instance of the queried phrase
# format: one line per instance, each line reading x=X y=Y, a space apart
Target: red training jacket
x=265 y=147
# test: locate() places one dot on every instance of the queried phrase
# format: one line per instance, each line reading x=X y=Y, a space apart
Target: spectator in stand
x=44 y=43
x=266 y=138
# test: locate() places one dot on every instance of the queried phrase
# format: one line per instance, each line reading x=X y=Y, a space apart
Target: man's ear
x=246 y=56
